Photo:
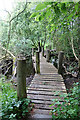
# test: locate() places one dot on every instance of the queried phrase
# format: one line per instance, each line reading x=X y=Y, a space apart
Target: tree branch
x=73 y=49
x=8 y=51
x=9 y=32
x=19 y=12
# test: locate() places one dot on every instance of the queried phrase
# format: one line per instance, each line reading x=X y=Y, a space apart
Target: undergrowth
x=12 y=108
x=69 y=108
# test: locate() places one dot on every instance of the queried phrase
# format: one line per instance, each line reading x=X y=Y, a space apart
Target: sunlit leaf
x=40 y=6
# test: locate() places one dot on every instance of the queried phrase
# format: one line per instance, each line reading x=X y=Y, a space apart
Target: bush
x=69 y=108
x=12 y=108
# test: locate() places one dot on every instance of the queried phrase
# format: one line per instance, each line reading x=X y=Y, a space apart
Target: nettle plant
x=69 y=107
x=12 y=108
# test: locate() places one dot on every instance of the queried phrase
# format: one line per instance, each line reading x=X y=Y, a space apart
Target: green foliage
x=11 y=107
x=60 y=16
x=51 y=23
x=3 y=33
x=69 y=108
x=40 y=6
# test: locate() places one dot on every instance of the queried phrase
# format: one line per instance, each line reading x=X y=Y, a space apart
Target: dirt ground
x=69 y=82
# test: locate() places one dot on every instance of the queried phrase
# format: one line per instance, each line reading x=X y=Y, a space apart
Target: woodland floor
x=69 y=82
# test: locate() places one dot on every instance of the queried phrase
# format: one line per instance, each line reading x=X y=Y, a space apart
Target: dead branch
x=7 y=69
x=73 y=49
x=11 y=54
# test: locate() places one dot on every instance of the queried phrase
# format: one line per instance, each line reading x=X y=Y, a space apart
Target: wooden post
x=60 y=57
x=39 y=47
x=50 y=47
x=42 y=50
x=14 y=61
x=47 y=55
x=32 y=51
x=37 y=62
x=21 y=78
x=79 y=66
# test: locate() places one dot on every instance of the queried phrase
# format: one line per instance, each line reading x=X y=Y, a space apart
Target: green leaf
x=63 y=7
x=57 y=10
x=48 y=3
x=48 y=13
x=57 y=102
x=37 y=18
x=76 y=6
x=41 y=6
x=34 y=14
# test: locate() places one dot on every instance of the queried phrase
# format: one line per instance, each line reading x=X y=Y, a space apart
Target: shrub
x=12 y=108
x=69 y=108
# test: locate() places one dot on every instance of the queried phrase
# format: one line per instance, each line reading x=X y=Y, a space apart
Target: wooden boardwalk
x=43 y=87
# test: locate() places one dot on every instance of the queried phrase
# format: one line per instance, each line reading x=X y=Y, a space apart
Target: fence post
x=60 y=57
x=21 y=78
x=42 y=50
x=32 y=51
x=14 y=62
x=37 y=62
x=47 y=55
x=79 y=66
x=39 y=47
x=50 y=47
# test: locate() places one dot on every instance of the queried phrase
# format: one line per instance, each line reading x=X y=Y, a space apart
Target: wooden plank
x=47 y=83
x=48 y=86
x=46 y=74
x=41 y=117
x=42 y=106
x=57 y=80
x=44 y=97
x=48 y=69
x=45 y=102
x=45 y=89
x=42 y=111
x=50 y=74
x=49 y=77
x=48 y=93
